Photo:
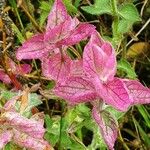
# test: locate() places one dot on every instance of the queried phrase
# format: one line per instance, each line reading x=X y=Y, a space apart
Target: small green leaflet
x=125 y=66
x=100 y=7
x=130 y=13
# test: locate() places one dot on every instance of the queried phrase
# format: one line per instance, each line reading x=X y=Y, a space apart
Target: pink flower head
x=61 y=30
x=93 y=79
x=99 y=63
x=25 y=132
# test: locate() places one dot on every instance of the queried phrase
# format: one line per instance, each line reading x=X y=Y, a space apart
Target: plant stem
x=115 y=21
x=124 y=144
x=32 y=19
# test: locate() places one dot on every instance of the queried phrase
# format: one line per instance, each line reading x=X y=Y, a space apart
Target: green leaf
x=70 y=8
x=48 y=122
x=125 y=66
x=144 y=135
x=77 y=3
x=124 y=26
x=100 y=7
x=114 y=112
x=45 y=9
x=130 y=13
x=18 y=33
x=34 y=101
x=51 y=138
x=144 y=114
x=7 y=94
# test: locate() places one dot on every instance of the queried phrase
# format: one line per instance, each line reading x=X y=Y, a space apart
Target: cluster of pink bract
x=20 y=130
x=90 y=79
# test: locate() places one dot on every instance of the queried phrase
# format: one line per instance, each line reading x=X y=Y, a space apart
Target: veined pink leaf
x=83 y=31
x=56 y=67
x=18 y=69
x=76 y=90
x=108 y=126
x=115 y=94
x=29 y=126
x=76 y=68
x=140 y=94
x=57 y=15
x=10 y=104
x=29 y=142
x=34 y=48
x=4 y=77
x=99 y=59
x=60 y=31
x=5 y=137
x=24 y=68
x=14 y=68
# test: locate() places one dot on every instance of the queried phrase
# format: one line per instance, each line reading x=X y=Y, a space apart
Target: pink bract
x=99 y=64
x=108 y=126
x=140 y=94
x=25 y=132
x=61 y=30
x=60 y=27
x=5 y=137
x=57 y=15
x=99 y=60
x=24 y=140
x=57 y=67
x=15 y=69
x=76 y=90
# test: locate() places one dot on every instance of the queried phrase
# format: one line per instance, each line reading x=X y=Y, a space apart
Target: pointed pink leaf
x=99 y=59
x=57 y=15
x=5 y=137
x=56 y=67
x=114 y=93
x=4 y=77
x=24 y=68
x=60 y=31
x=76 y=90
x=33 y=48
x=30 y=126
x=18 y=69
x=83 y=31
x=140 y=94
x=76 y=68
x=29 y=142
x=108 y=126
x=10 y=104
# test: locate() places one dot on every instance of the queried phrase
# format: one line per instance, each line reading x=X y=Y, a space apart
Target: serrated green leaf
x=7 y=94
x=51 y=138
x=45 y=9
x=125 y=66
x=130 y=13
x=70 y=8
x=144 y=114
x=77 y=3
x=100 y=7
x=48 y=122
x=115 y=113
x=18 y=33
x=124 y=26
x=34 y=101
x=144 y=135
